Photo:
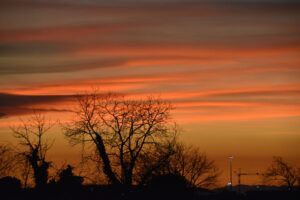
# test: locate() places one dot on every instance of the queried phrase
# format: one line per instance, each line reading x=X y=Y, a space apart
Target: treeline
x=128 y=144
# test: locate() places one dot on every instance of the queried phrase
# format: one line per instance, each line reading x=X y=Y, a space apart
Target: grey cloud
x=11 y=104
x=24 y=68
x=29 y=48
x=14 y=104
x=13 y=100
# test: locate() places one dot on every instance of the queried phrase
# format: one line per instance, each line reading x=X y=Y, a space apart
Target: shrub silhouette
x=10 y=184
x=68 y=180
x=169 y=186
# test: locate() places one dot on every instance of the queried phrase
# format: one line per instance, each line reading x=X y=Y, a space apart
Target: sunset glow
x=232 y=72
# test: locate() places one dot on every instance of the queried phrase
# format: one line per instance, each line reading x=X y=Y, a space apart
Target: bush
x=10 y=184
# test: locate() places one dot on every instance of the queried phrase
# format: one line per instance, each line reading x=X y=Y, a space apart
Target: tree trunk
x=106 y=162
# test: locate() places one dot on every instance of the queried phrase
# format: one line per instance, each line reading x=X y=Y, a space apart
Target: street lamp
x=230 y=158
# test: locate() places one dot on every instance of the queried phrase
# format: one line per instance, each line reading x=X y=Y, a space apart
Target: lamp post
x=230 y=158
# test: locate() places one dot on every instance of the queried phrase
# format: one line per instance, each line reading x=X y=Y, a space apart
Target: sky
x=231 y=68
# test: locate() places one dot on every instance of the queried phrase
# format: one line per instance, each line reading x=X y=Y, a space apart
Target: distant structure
x=240 y=173
x=229 y=184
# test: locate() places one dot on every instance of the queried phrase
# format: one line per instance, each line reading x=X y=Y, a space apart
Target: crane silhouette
x=239 y=173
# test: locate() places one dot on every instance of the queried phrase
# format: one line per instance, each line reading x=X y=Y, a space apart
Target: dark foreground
x=110 y=193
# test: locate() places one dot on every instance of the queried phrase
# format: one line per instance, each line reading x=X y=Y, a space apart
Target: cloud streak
x=200 y=54
x=12 y=104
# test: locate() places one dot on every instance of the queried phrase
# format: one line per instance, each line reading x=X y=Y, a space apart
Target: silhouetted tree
x=31 y=135
x=182 y=160
x=155 y=162
x=121 y=130
x=194 y=165
x=7 y=161
x=282 y=172
x=25 y=169
x=12 y=164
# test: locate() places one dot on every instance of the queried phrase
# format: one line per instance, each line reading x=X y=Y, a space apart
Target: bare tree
x=13 y=164
x=155 y=162
x=121 y=130
x=31 y=135
x=282 y=172
x=178 y=159
x=7 y=160
x=194 y=165
x=25 y=170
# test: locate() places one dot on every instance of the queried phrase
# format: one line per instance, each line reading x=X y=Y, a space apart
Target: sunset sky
x=230 y=67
